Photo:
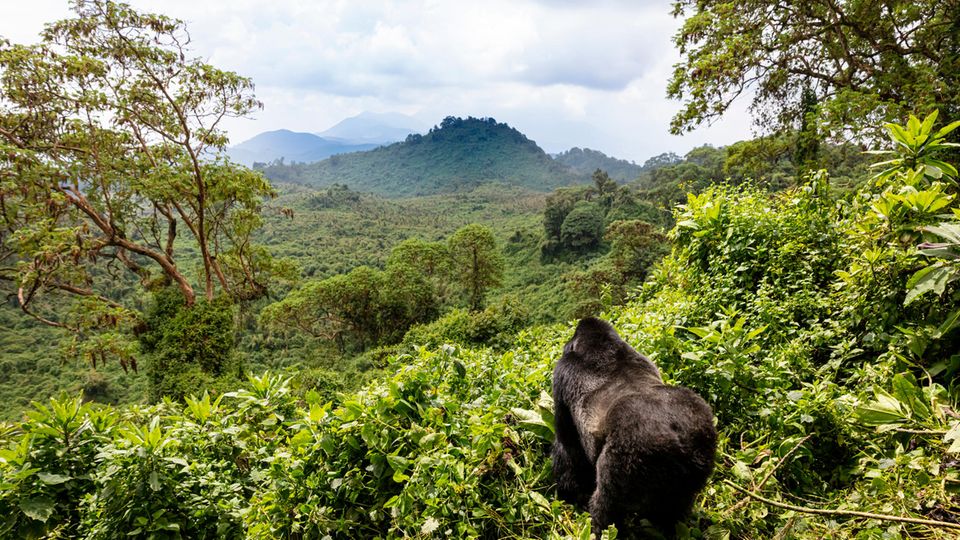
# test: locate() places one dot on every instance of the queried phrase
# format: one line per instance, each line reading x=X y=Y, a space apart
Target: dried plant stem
x=846 y=513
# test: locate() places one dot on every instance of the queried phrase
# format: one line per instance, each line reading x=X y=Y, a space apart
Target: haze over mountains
x=374 y=128
x=290 y=146
x=362 y=132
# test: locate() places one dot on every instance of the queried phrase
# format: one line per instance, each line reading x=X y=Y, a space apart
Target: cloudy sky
x=565 y=72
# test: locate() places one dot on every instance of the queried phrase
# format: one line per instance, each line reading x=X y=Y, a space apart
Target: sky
x=566 y=73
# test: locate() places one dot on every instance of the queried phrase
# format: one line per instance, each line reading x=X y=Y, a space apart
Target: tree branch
x=845 y=513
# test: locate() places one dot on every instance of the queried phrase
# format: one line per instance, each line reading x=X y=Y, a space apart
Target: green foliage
x=190 y=348
x=430 y=442
x=769 y=161
x=559 y=205
x=574 y=218
x=335 y=196
x=47 y=467
x=354 y=306
x=894 y=60
x=917 y=147
x=33 y=364
x=371 y=307
x=635 y=246
x=495 y=327
x=457 y=155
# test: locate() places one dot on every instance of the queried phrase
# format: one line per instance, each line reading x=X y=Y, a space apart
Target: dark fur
x=624 y=439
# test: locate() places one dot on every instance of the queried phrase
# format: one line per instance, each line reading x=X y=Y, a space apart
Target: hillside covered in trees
x=585 y=161
x=366 y=350
x=457 y=154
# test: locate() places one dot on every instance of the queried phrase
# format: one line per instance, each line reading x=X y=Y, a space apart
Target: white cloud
x=565 y=72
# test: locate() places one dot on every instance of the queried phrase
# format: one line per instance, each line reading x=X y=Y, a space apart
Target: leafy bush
x=583 y=226
x=191 y=349
x=494 y=327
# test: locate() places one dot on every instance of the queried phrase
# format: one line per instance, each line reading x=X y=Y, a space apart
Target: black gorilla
x=623 y=438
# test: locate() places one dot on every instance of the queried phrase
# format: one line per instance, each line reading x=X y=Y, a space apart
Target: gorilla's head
x=595 y=341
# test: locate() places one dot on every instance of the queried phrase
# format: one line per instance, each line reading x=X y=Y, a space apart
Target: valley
x=350 y=324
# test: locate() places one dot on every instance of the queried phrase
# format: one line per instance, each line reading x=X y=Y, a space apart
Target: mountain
x=376 y=128
x=456 y=155
x=585 y=161
x=291 y=146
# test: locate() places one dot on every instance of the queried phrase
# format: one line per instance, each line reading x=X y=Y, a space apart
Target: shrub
x=492 y=327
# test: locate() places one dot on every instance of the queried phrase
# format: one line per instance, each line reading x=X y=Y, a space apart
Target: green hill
x=456 y=155
x=585 y=161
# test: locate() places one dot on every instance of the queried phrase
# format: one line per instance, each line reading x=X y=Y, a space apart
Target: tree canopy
x=112 y=172
x=862 y=61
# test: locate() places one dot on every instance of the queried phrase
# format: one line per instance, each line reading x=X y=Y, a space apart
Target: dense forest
x=363 y=347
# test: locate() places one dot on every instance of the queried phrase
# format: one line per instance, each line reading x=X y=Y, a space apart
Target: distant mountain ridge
x=364 y=131
x=458 y=154
x=291 y=146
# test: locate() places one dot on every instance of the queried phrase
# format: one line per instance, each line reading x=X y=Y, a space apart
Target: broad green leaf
x=884 y=410
x=545 y=408
x=907 y=391
x=742 y=471
x=301 y=438
x=932 y=171
x=52 y=479
x=540 y=500
x=398 y=463
x=932 y=278
x=913 y=125
x=948 y=324
x=533 y=422
x=585 y=532
x=754 y=333
x=927 y=124
x=900 y=135
x=947 y=231
x=700 y=332
x=429 y=439
x=942 y=166
x=318 y=412
x=945 y=130
x=39 y=508
x=952 y=438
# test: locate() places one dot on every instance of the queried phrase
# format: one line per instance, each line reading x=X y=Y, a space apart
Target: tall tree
x=431 y=260
x=477 y=260
x=864 y=61
x=111 y=155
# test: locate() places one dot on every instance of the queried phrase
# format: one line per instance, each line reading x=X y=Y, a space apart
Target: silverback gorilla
x=623 y=438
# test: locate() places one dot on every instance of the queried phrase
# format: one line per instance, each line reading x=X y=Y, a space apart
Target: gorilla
x=625 y=439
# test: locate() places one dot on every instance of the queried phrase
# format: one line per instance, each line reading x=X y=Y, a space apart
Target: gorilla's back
x=664 y=441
